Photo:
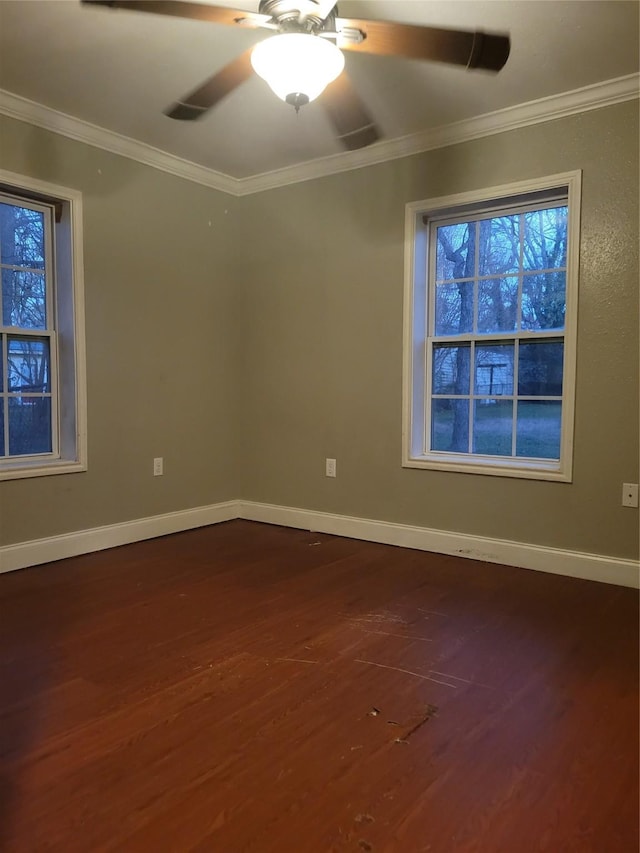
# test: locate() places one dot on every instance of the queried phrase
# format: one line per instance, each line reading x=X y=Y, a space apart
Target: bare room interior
x=319 y=426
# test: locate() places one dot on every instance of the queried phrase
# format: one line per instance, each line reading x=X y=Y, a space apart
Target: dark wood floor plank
x=251 y=688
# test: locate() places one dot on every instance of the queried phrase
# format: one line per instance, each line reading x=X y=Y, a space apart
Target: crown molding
x=587 y=98
x=592 y=97
x=31 y=112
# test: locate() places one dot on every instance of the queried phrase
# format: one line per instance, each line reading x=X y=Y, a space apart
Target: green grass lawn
x=538 y=429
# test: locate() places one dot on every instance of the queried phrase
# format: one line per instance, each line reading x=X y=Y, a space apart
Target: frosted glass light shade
x=297 y=64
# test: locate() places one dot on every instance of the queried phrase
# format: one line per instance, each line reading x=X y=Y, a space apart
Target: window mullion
x=5 y=395
x=472 y=384
x=430 y=302
x=516 y=368
x=49 y=267
x=426 y=437
x=18 y=332
x=516 y=343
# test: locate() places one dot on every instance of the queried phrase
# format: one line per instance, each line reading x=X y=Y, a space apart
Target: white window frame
x=418 y=305
x=65 y=305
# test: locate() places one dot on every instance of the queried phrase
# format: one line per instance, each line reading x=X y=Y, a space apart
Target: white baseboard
x=38 y=551
x=575 y=564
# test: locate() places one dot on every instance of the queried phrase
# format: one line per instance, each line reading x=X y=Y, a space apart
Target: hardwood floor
x=251 y=688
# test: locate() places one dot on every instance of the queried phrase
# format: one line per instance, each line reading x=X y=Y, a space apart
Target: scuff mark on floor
x=402 y=636
x=406 y=672
x=383 y=616
x=463 y=680
x=431 y=711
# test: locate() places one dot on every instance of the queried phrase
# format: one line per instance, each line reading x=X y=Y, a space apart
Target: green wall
x=160 y=342
x=322 y=285
x=246 y=351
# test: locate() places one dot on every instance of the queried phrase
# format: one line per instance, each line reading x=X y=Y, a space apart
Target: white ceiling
x=119 y=70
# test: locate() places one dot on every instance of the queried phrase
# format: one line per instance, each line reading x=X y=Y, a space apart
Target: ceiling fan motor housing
x=289 y=17
x=304 y=58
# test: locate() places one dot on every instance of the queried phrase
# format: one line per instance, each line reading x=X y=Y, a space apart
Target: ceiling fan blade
x=213 y=90
x=457 y=47
x=183 y=9
x=353 y=124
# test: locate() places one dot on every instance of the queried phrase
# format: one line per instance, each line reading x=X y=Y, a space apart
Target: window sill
x=491 y=466
x=22 y=470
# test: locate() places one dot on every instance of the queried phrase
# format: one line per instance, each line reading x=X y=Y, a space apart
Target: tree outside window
x=27 y=332
x=491 y=303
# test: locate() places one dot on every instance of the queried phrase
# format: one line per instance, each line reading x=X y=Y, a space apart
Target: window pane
x=450 y=425
x=494 y=369
x=455 y=254
x=497 y=304
x=23 y=299
x=540 y=369
x=451 y=369
x=21 y=236
x=493 y=427
x=543 y=301
x=29 y=425
x=538 y=428
x=499 y=250
x=454 y=308
x=545 y=239
x=29 y=369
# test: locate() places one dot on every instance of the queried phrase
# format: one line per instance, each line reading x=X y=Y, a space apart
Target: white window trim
x=414 y=384
x=72 y=386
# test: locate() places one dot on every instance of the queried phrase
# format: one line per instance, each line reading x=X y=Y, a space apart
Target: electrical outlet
x=630 y=494
x=158 y=468
x=330 y=468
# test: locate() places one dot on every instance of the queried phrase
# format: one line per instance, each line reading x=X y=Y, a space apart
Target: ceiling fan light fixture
x=297 y=66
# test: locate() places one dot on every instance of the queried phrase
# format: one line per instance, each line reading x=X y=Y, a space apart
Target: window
x=490 y=308
x=42 y=408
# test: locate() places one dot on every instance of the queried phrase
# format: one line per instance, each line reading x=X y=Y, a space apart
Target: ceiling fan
x=304 y=56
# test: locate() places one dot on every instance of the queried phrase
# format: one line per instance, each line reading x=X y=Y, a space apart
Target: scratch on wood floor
x=464 y=680
x=385 y=616
x=432 y=612
x=297 y=660
x=402 y=636
x=406 y=671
